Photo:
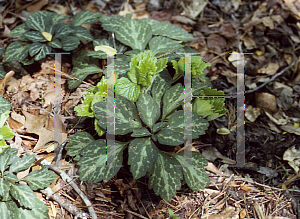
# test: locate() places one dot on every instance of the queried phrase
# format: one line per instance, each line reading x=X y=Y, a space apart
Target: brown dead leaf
x=266 y=101
x=216 y=42
x=37 y=124
x=271 y=69
x=37 y=6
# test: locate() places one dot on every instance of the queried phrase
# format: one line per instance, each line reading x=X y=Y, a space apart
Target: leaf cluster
x=44 y=31
x=18 y=200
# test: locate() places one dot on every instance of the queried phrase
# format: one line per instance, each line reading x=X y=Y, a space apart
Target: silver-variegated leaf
x=173 y=133
x=4 y=190
x=161 y=83
x=161 y=45
x=142 y=132
x=16 y=52
x=149 y=110
x=35 y=36
x=142 y=153
x=39 y=210
x=70 y=42
x=82 y=33
x=40 y=179
x=167 y=29
x=2 y=72
x=173 y=98
x=85 y=17
x=4 y=105
x=121 y=65
x=94 y=165
x=194 y=175
x=5 y=212
x=165 y=177
x=23 y=194
x=43 y=52
x=11 y=177
x=20 y=164
x=126 y=115
x=35 y=48
x=158 y=126
x=19 y=30
x=62 y=30
x=81 y=72
x=55 y=43
x=2 y=51
x=4 y=159
x=132 y=33
x=77 y=142
x=38 y=20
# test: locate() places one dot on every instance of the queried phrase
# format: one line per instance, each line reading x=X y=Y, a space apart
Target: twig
x=69 y=180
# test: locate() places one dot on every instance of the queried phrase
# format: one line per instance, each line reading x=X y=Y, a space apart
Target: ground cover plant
x=149 y=111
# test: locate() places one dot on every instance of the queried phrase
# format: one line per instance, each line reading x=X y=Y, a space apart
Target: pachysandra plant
x=18 y=200
x=44 y=31
x=155 y=120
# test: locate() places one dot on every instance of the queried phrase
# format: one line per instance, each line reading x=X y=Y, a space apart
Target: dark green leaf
x=55 y=44
x=142 y=154
x=4 y=190
x=85 y=17
x=4 y=105
x=93 y=163
x=165 y=177
x=158 y=126
x=16 y=52
x=62 y=30
x=142 y=132
x=82 y=33
x=42 y=54
x=161 y=45
x=173 y=98
x=38 y=20
x=70 y=42
x=35 y=36
x=40 y=179
x=161 y=83
x=149 y=111
x=35 y=48
x=19 y=31
x=23 y=194
x=77 y=142
x=126 y=115
x=20 y=164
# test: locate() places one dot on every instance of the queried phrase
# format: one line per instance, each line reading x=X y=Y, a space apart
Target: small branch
x=64 y=203
x=69 y=180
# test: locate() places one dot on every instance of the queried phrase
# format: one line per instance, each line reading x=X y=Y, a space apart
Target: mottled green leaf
x=35 y=36
x=132 y=33
x=40 y=179
x=4 y=190
x=126 y=115
x=55 y=43
x=62 y=30
x=93 y=163
x=19 y=31
x=194 y=175
x=70 y=42
x=85 y=17
x=165 y=177
x=142 y=132
x=39 y=210
x=77 y=142
x=142 y=154
x=82 y=33
x=173 y=98
x=161 y=83
x=167 y=29
x=161 y=45
x=16 y=52
x=38 y=20
x=20 y=164
x=23 y=194
x=81 y=72
x=4 y=105
x=149 y=111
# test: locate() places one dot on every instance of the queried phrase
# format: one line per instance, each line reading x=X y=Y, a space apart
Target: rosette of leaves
x=44 y=31
x=150 y=132
x=19 y=200
x=212 y=107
